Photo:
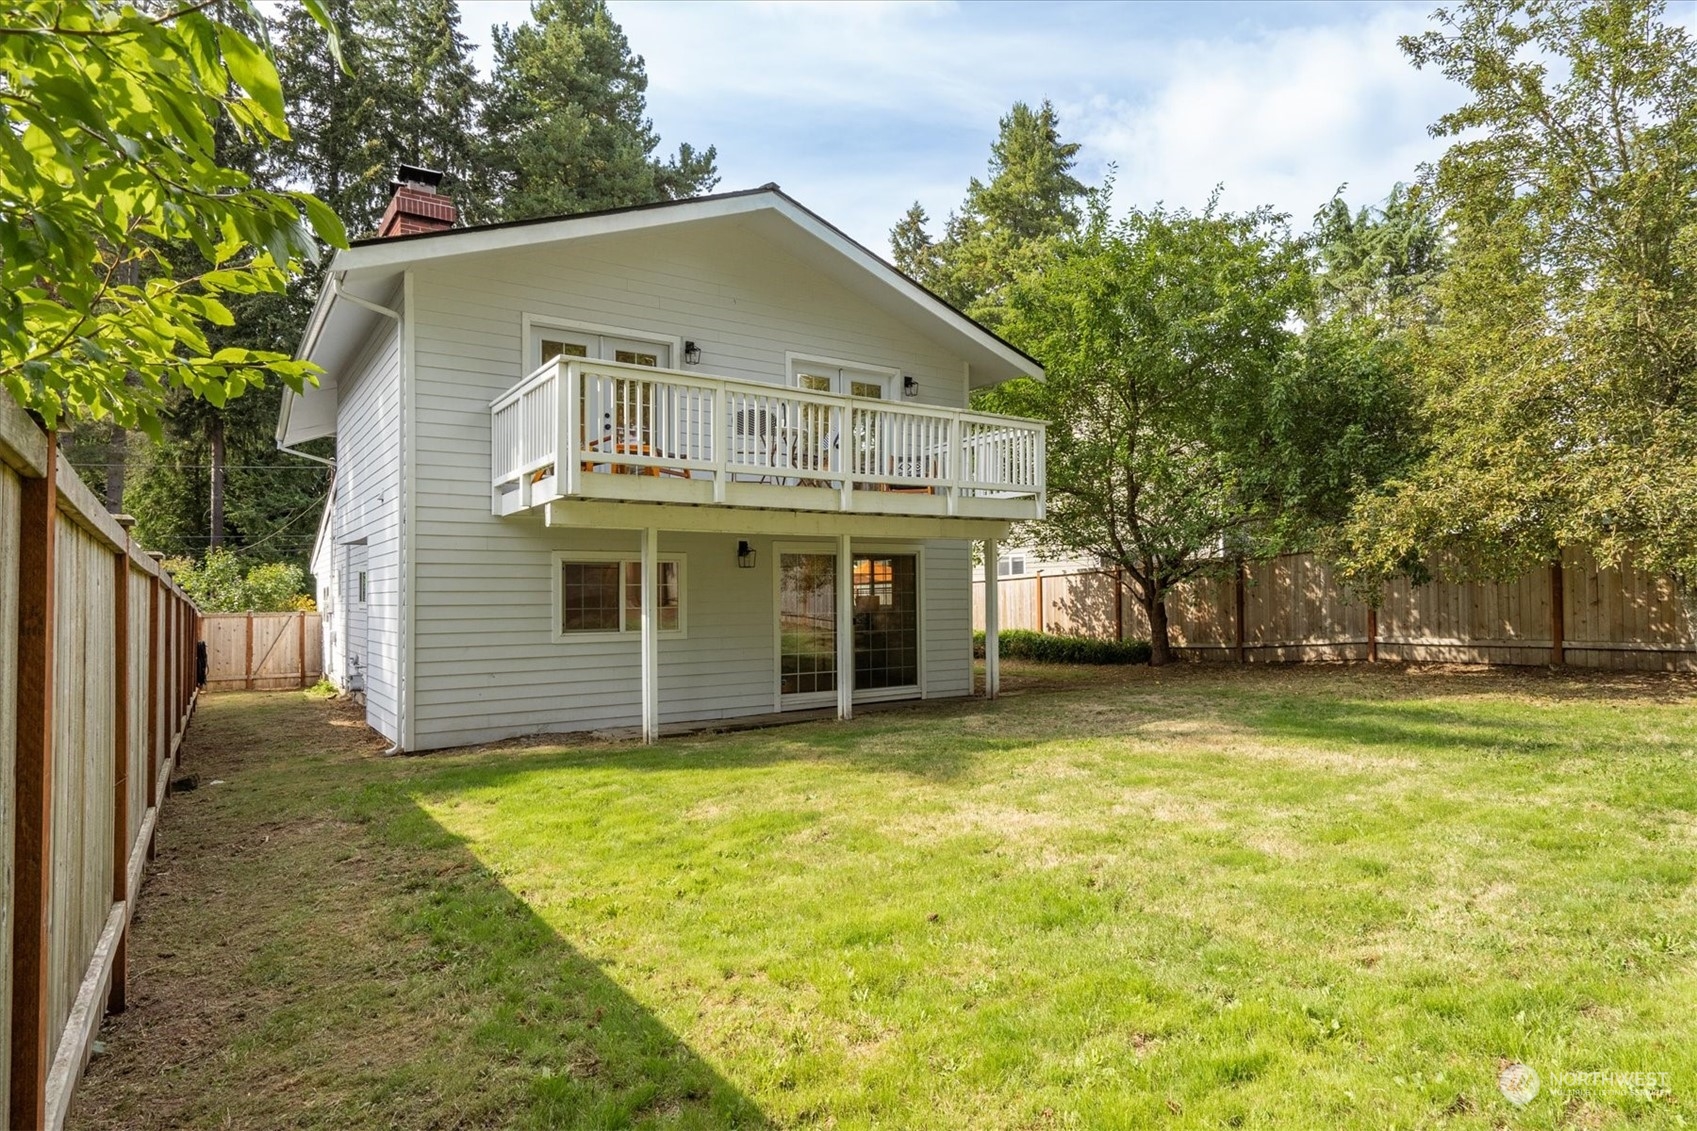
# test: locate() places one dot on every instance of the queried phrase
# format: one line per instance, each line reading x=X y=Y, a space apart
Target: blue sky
x=858 y=109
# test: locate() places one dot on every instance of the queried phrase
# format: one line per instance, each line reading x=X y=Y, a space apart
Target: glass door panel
x=807 y=628
x=886 y=621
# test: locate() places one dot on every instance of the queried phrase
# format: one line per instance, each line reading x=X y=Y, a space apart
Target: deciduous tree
x=107 y=159
x=1164 y=338
x=1560 y=382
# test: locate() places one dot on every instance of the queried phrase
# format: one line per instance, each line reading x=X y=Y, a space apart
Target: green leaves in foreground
x=108 y=158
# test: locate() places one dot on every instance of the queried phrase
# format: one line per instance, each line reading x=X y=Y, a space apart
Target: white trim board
x=601 y=515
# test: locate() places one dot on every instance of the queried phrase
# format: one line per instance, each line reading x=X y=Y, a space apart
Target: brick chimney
x=416 y=207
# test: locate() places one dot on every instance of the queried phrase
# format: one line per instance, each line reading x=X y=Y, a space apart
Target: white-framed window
x=1010 y=565
x=599 y=596
x=548 y=338
x=363 y=589
x=851 y=378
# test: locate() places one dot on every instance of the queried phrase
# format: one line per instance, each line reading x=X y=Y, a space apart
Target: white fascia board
x=399 y=253
x=382 y=257
x=309 y=340
x=904 y=286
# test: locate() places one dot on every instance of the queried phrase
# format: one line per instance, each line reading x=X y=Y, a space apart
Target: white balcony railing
x=594 y=429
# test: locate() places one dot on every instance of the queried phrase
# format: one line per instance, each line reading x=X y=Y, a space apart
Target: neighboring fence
x=96 y=689
x=262 y=651
x=1290 y=608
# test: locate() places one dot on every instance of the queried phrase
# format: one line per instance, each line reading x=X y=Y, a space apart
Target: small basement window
x=595 y=595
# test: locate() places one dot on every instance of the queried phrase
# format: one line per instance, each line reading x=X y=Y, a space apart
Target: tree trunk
x=215 y=433
x=1160 y=642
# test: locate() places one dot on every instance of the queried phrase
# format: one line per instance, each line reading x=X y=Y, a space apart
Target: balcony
x=577 y=429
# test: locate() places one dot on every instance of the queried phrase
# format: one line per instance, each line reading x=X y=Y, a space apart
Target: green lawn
x=1114 y=898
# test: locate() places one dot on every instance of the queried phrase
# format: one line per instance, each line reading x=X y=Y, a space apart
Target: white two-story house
x=666 y=464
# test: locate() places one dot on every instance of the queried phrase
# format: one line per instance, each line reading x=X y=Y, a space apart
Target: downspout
x=337 y=292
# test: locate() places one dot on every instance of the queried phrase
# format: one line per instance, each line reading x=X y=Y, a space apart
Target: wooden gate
x=262 y=651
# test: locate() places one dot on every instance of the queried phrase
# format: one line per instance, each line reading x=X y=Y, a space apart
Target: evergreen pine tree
x=565 y=124
x=430 y=93
x=1031 y=198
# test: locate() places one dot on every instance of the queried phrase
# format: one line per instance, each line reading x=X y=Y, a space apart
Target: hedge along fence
x=1023 y=644
x=1291 y=608
x=96 y=690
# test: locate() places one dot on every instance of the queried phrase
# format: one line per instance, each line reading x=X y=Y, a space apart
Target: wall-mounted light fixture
x=745 y=556
x=910 y=387
x=692 y=354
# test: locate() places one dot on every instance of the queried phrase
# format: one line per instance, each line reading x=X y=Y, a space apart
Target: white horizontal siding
x=484 y=662
x=948 y=619
x=367 y=507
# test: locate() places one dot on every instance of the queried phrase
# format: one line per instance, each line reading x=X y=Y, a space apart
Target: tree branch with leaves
x=108 y=160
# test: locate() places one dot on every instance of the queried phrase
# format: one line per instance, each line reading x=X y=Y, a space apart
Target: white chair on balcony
x=754 y=443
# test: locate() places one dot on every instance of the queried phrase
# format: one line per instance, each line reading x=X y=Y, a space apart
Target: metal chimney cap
x=418 y=176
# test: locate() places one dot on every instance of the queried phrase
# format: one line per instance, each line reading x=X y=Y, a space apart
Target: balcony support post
x=721 y=433
x=844 y=440
x=956 y=464
x=650 y=634
x=566 y=464
x=992 y=623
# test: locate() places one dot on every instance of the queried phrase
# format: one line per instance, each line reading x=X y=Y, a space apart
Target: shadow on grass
x=1400 y=724
x=923 y=741
x=594 y=1056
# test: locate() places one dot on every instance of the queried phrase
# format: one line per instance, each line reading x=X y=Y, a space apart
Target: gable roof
x=364 y=276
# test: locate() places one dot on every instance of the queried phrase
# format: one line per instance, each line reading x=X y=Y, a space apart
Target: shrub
x=219 y=585
x=1020 y=644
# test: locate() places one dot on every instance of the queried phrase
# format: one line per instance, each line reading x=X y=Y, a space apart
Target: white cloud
x=860 y=108
x=1282 y=118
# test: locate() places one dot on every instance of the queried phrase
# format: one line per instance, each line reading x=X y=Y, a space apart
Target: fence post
x=247 y=666
x=1238 y=620
x=115 y=996
x=302 y=639
x=1119 y=602
x=1558 y=647
x=1372 y=634
x=1039 y=603
x=32 y=865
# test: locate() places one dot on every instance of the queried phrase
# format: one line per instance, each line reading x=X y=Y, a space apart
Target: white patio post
x=992 y=623
x=650 y=634
x=845 y=629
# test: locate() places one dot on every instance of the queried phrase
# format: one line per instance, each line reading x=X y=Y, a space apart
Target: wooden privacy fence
x=262 y=651
x=96 y=689
x=1291 y=608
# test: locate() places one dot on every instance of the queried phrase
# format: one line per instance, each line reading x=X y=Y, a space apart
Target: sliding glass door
x=885 y=589
x=807 y=630
x=886 y=622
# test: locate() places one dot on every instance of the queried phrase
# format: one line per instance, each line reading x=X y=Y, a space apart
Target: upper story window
x=832 y=375
x=548 y=341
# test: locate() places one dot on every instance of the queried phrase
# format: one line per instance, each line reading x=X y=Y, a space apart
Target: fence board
x=286 y=651
x=73 y=776
x=10 y=490
x=1294 y=609
x=81 y=820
